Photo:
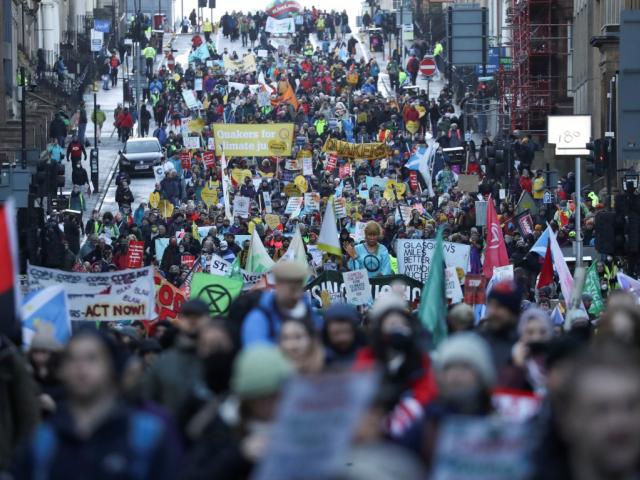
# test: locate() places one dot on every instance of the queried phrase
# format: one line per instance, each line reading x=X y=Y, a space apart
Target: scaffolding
x=531 y=86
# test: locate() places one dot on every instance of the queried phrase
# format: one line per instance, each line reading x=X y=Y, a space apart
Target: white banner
x=312 y=201
x=267 y=202
x=452 y=285
x=112 y=296
x=241 y=207
x=307 y=166
x=280 y=27
x=191 y=143
x=414 y=257
x=190 y=99
x=294 y=206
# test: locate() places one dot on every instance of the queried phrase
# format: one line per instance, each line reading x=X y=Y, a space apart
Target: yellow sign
x=244 y=65
x=154 y=199
x=196 y=125
x=400 y=188
x=370 y=151
x=301 y=183
x=209 y=195
x=239 y=175
x=253 y=140
x=292 y=190
x=166 y=208
x=412 y=126
x=272 y=220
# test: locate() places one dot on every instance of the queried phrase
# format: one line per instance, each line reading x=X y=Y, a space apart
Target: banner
x=241 y=207
x=357 y=287
x=414 y=257
x=307 y=166
x=190 y=99
x=246 y=64
x=169 y=298
x=135 y=254
x=280 y=27
x=524 y=222
x=112 y=296
x=475 y=287
x=294 y=206
x=312 y=201
x=255 y=140
x=191 y=143
x=368 y=151
x=452 y=285
x=216 y=291
x=209 y=159
x=332 y=282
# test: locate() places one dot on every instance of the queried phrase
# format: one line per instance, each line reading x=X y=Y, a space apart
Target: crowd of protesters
x=203 y=392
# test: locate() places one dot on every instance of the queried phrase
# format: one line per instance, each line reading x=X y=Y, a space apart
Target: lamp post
x=23 y=104
x=95 y=105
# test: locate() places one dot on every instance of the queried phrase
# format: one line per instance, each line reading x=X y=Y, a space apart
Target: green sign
x=216 y=291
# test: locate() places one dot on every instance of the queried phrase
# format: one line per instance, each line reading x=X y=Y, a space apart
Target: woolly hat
x=507 y=294
x=389 y=302
x=258 y=371
x=469 y=348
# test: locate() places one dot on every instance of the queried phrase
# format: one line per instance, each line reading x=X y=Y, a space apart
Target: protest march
x=328 y=278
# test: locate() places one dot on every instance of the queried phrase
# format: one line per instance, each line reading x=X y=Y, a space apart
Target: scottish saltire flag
x=628 y=283
x=416 y=158
x=48 y=305
x=540 y=247
x=201 y=53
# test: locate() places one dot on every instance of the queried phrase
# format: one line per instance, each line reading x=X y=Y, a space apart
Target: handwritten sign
x=358 y=288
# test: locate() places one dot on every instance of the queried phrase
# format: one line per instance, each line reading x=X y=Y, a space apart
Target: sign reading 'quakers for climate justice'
x=112 y=296
x=414 y=257
x=258 y=140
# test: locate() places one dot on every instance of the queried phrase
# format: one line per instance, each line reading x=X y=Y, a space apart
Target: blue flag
x=48 y=305
x=540 y=247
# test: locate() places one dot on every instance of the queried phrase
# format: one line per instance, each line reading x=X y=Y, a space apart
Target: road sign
x=428 y=66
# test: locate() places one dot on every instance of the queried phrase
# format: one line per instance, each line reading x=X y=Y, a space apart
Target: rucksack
x=145 y=431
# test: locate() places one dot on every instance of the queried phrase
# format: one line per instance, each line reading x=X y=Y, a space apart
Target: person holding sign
x=370 y=255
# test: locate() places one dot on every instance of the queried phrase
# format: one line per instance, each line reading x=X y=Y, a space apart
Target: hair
x=532 y=314
x=606 y=328
x=372 y=228
x=306 y=323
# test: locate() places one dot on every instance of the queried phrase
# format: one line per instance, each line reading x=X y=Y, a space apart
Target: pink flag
x=495 y=251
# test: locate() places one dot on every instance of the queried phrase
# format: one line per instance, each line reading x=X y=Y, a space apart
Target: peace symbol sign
x=371 y=263
x=217 y=297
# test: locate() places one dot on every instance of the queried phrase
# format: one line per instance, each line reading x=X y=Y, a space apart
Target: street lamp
x=93 y=155
x=95 y=105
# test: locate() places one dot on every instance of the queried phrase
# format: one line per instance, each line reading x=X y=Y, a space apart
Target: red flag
x=9 y=286
x=495 y=251
x=546 y=274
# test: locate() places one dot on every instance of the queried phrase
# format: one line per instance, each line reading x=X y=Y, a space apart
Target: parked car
x=140 y=155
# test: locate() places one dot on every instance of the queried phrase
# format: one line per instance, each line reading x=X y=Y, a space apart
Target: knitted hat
x=468 y=348
x=389 y=302
x=258 y=371
x=507 y=294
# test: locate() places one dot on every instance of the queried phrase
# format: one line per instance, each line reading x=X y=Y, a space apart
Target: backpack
x=145 y=431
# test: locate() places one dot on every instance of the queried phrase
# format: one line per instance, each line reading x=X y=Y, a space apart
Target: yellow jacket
x=538 y=188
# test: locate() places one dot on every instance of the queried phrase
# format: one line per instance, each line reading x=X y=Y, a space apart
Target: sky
x=353 y=7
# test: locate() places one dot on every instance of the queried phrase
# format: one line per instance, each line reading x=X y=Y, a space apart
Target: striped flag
x=9 y=284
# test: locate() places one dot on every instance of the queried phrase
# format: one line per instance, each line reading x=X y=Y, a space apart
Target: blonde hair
x=372 y=228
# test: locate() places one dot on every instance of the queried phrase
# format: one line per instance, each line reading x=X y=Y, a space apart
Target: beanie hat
x=469 y=348
x=389 y=302
x=508 y=294
x=342 y=311
x=258 y=371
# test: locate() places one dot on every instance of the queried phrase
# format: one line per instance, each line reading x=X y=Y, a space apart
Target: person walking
x=145 y=119
x=125 y=123
x=58 y=130
x=76 y=152
x=114 y=62
x=82 y=123
x=149 y=56
x=98 y=118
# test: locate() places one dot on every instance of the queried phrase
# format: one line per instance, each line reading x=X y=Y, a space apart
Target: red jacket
x=526 y=184
x=125 y=120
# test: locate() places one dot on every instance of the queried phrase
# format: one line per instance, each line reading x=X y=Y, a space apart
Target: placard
x=112 y=296
x=359 y=234
x=241 y=206
x=191 y=143
x=340 y=207
x=190 y=99
x=468 y=183
x=475 y=287
x=307 y=166
x=294 y=206
x=209 y=160
x=414 y=257
x=169 y=298
x=272 y=220
x=504 y=273
x=266 y=196
x=254 y=140
x=452 y=285
x=357 y=287
x=188 y=260
x=312 y=201
x=481 y=213
x=135 y=254
x=185 y=160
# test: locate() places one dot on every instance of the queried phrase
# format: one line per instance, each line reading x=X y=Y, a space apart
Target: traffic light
x=597 y=162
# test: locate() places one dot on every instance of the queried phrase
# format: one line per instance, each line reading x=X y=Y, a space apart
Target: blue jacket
x=262 y=324
x=378 y=264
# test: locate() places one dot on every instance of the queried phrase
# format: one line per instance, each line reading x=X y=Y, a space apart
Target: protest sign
x=191 y=143
x=468 y=183
x=312 y=201
x=452 y=285
x=368 y=151
x=188 y=260
x=255 y=140
x=475 y=286
x=292 y=190
x=340 y=207
x=185 y=160
x=282 y=26
x=113 y=296
x=209 y=159
x=135 y=254
x=504 y=273
x=332 y=162
x=190 y=99
x=266 y=197
x=524 y=222
x=414 y=257
x=292 y=164
x=209 y=194
x=481 y=213
x=359 y=235
x=219 y=266
x=247 y=64
x=516 y=405
x=380 y=182
x=294 y=206
x=315 y=423
x=482 y=448
x=241 y=207
x=169 y=298
x=357 y=287
x=216 y=291
x=211 y=143
x=262 y=53
x=161 y=245
x=272 y=220
x=405 y=210
x=158 y=173
x=332 y=282
x=344 y=170
x=301 y=183
x=307 y=166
